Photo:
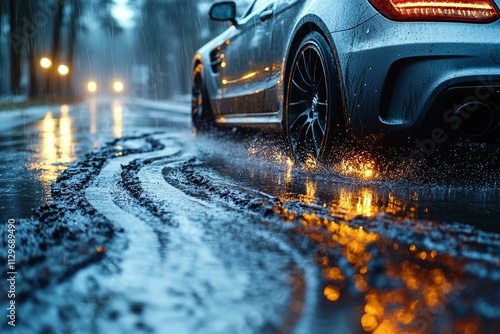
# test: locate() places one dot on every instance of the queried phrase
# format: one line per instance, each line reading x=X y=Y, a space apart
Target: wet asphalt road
x=128 y=222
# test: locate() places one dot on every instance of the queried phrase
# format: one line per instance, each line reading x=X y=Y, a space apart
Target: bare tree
x=28 y=8
x=58 y=33
x=56 y=44
x=76 y=9
x=15 y=48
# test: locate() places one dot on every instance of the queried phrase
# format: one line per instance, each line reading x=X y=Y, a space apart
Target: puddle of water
x=355 y=186
x=34 y=154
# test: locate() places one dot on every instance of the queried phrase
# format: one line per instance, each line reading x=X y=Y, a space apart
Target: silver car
x=321 y=71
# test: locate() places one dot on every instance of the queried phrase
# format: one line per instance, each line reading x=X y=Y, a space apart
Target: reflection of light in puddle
x=397 y=287
x=367 y=202
x=93 y=116
x=419 y=285
x=65 y=139
x=310 y=195
x=56 y=150
x=117 y=119
x=351 y=203
x=49 y=150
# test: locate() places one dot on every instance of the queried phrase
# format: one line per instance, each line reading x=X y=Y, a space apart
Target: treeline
x=32 y=29
x=164 y=36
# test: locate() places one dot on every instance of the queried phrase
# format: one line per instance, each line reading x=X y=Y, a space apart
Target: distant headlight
x=92 y=86
x=45 y=62
x=118 y=86
x=63 y=69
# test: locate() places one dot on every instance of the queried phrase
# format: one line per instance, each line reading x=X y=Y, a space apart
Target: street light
x=45 y=62
x=63 y=70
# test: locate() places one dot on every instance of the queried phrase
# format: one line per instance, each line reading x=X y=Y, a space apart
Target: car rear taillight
x=480 y=11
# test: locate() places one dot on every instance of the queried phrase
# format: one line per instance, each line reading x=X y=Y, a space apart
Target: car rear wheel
x=202 y=116
x=313 y=103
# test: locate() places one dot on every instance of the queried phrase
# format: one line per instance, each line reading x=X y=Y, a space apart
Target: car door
x=285 y=14
x=246 y=61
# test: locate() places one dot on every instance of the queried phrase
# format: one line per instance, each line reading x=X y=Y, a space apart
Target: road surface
x=126 y=221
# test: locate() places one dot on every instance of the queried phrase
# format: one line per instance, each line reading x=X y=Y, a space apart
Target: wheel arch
x=203 y=120
x=305 y=26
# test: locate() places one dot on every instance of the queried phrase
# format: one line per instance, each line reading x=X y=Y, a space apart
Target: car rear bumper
x=469 y=111
x=400 y=76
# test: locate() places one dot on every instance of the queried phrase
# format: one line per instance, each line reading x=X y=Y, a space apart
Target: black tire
x=201 y=115
x=314 y=119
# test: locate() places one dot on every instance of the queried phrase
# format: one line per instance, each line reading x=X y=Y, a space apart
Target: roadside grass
x=40 y=101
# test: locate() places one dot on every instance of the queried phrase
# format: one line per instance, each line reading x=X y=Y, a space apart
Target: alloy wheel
x=308 y=103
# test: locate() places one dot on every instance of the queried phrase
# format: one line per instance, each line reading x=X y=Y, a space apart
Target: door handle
x=266 y=15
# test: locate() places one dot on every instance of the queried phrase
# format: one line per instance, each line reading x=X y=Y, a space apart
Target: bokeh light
x=45 y=62
x=92 y=86
x=118 y=86
x=63 y=69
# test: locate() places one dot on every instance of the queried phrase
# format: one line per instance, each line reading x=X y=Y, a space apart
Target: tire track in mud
x=65 y=237
x=110 y=296
x=62 y=226
x=217 y=253
x=177 y=264
x=137 y=284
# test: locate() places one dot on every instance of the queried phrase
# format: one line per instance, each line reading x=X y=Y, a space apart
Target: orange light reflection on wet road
x=423 y=283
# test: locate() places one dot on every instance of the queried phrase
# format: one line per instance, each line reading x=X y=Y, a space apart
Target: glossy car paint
x=392 y=73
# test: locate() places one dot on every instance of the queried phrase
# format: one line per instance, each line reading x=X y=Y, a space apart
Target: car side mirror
x=223 y=11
